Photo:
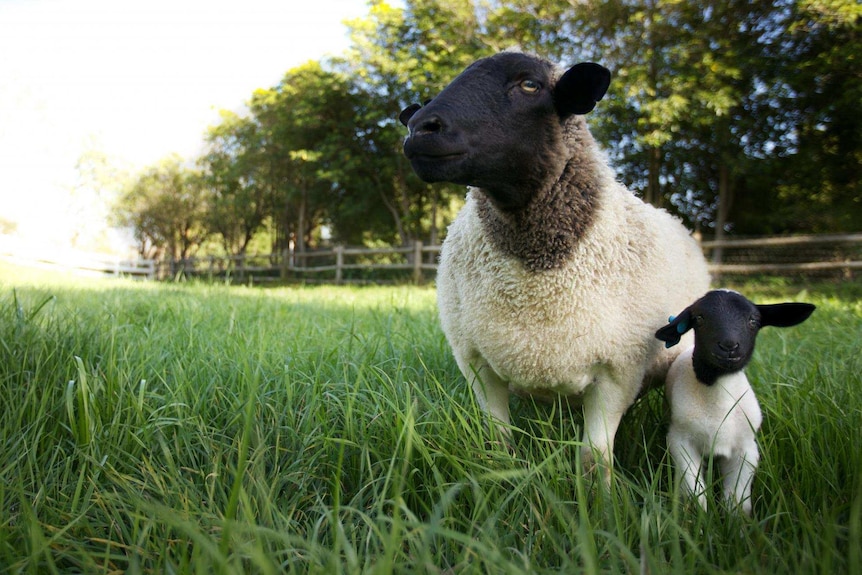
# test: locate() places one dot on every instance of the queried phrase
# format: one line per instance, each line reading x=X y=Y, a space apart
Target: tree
x=235 y=181
x=306 y=126
x=164 y=206
x=677 y=118
x=823 y=74
x=399 y=57
x=718 y=110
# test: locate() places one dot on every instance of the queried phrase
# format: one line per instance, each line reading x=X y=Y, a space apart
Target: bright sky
x=135 y=80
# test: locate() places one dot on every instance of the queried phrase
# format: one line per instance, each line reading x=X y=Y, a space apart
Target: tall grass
x=206 y=429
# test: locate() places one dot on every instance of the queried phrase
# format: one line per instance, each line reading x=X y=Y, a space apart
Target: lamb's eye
x=752 y=322
x=698 y=320
x=530 y=86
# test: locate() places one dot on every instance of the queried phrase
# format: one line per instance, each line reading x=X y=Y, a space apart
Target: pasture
x=191 y=428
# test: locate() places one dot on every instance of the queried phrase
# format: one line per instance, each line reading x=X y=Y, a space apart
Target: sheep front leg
x=605 y=402
x=738 y=471
x=688 y=461
x=492 y=393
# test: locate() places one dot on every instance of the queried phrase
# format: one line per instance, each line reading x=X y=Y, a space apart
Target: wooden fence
x=98 y=265
x=826 y=255
x=836 y=256
x=833 y=256
x=338 y=265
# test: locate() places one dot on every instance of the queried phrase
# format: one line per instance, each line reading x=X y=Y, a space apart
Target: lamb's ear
x=784 y=314
x=578 y=90
x=678 y=325
x=408 y=112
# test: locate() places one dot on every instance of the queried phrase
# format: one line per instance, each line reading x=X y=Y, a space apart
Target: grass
x=205 y=429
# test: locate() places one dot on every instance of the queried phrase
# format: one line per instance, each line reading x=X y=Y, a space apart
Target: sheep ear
x=785 y=314
x=670 y=334
x=408 y=112
x=578 y=90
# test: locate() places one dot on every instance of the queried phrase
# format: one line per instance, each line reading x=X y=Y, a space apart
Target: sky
x=136 y=81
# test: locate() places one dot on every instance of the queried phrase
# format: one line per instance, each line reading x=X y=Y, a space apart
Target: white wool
x=721 y=420
x=584 y=328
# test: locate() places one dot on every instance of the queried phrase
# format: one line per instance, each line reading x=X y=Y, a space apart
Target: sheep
x=713 y=408
x=553 y=277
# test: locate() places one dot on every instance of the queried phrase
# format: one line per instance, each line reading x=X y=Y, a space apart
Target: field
x=190 y=428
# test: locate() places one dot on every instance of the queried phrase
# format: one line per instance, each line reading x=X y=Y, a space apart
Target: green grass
x=205 y=429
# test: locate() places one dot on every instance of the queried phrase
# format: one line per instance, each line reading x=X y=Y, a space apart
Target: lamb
x=553 y=277
x=713 y=408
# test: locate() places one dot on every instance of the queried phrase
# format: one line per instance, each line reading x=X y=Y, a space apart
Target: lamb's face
x=725 y=326
x=499 y=126
x=725 y=329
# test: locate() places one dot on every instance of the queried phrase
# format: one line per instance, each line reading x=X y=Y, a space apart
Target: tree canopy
x=741 y=117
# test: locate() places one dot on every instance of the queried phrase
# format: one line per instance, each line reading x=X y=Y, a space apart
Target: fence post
x=339 y=263
x=417 y=262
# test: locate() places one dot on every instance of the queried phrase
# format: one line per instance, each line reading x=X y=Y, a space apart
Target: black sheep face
x=725 y=325
x=725 y=329
x=499 y=125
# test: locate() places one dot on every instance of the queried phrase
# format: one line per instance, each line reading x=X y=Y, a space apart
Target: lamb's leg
x=738 y=471
x=605 y=402
x=688 y=461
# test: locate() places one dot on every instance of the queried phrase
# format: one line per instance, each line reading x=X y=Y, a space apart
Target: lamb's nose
x=728 y=345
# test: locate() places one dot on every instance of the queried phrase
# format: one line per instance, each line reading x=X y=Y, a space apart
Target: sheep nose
x=427 y=126
x=728 y=345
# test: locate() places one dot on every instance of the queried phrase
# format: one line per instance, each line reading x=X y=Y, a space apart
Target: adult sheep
x=553 y=278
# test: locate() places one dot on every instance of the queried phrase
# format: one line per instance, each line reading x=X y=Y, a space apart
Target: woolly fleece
x=720 y=419
x=583 y=327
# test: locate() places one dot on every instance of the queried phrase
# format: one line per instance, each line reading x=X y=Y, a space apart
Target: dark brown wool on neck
x=545 y=232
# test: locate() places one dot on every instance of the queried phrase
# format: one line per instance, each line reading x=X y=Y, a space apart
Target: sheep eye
x=698 y=320
x=530 y=86
x=752 y=322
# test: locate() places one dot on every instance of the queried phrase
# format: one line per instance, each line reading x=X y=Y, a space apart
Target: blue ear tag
x=682 y=327
x=679 y=328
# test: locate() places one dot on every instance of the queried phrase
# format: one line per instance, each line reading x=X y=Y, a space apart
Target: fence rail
x=784 y=241
x=824 y=255
x=81 y=262
x=339 y=264
x=827 y=255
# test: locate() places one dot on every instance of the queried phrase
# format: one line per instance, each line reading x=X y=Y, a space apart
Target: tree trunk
x=399 y=224
x=407 y=238
x=725 y=201
x=300 y=224
x=653 y=191
x=434 y=232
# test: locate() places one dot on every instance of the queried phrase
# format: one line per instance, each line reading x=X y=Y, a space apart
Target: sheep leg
x=688 y=461
x=738 y=471
x=604 y=406
x=492 y=393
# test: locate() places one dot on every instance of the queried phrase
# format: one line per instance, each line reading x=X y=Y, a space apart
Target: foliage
x=232 y=174
x=304 y=122
x=165 y=207
x=402 y=56
x=193 y=428
x=739 y=116
x=817 y=167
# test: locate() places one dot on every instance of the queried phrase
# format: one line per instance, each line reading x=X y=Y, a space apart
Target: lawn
x=194 y=428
